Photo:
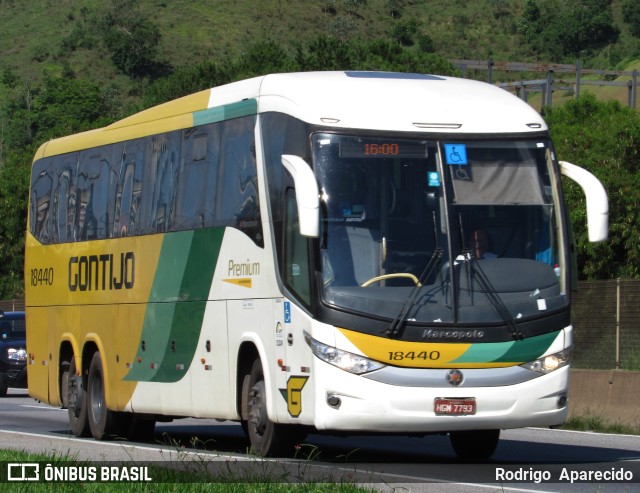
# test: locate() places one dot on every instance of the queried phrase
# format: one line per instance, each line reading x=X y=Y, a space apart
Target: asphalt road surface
x=544 y=460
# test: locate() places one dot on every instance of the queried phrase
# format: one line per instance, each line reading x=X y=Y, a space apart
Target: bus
x=323 y=252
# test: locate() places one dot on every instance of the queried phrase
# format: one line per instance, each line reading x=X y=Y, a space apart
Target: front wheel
x=266 y=437
x=474 y=445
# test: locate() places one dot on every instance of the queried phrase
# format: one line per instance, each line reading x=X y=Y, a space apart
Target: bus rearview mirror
x=307 y=195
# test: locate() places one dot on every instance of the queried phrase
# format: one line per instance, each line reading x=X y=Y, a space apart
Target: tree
x=567 y=28
x=530 y=25
x=631 y=14
x=614 y=157
x=61 y=106
x=133 y=40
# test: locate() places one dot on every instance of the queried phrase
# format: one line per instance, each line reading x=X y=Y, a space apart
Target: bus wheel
x=102 y=422
x=64 y=384
x=476 y=445
x=266 y=437
x=77 y=402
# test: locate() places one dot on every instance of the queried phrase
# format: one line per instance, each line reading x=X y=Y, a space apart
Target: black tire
x=77 y=402
x=104 y=423
x=4 y=388
x=475 y=445
x=266 y=437
x=64 y=384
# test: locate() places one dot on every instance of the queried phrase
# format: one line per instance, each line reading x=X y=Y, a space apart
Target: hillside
x=64 y=36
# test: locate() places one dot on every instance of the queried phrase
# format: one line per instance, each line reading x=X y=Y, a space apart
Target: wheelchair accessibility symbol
x=462 y=173
x=456 y=154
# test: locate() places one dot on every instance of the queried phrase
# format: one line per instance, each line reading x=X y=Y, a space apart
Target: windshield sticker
x=456 y=154
x=434 y=178
x=462 y=173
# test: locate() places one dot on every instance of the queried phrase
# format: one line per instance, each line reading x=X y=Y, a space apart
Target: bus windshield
x=442 y=232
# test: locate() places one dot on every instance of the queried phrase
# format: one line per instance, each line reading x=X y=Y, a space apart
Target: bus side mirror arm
x=307 y=194
x=597 y=200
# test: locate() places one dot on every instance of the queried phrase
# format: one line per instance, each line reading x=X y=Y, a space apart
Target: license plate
x=454 y=407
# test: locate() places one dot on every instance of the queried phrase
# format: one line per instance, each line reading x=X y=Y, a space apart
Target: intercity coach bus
x=340 y=252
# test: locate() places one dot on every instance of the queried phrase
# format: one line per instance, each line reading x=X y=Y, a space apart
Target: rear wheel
x=475 y=445
x=64 y=384
x=77 y=402
x=266 y=437
x=103 y=422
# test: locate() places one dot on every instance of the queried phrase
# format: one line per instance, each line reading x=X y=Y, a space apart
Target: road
x=387 y=463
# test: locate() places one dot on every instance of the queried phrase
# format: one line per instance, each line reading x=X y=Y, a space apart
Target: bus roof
x=360 y=100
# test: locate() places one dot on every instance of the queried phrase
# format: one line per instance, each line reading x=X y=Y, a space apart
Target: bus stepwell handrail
x=597 y=200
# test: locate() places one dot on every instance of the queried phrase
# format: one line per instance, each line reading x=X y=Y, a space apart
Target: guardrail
x=546 y=86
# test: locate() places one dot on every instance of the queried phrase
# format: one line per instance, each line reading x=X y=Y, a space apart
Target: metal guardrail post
x=618 y=323
x=634 y=94
x=578 y=76
x=549 y=89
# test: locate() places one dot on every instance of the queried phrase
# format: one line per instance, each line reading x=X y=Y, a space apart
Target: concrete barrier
x=612 y=394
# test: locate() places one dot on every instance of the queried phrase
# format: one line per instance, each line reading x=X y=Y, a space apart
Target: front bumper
x=367 y=405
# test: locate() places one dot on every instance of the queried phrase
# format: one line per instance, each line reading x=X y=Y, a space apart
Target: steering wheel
x=392 y=276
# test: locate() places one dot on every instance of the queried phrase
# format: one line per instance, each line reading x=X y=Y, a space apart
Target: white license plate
x=454 y=407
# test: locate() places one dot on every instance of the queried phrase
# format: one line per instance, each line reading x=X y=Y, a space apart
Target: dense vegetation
x=69 y=66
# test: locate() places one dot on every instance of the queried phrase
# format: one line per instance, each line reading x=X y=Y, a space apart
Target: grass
x=184 y=477
x=597 y=423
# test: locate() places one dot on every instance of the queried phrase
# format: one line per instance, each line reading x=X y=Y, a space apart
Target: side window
x=296 y=264
x=41 y=206
x=92 y=196
x=129 y=190
x=281 y=134
x=236 y=200
x=160 y=180
x=64 y=201
x=196 y=178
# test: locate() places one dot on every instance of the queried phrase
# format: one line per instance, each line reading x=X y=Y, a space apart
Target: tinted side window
x=236 y=197
x=204 y=176
x=41 y=203
x=281 y=134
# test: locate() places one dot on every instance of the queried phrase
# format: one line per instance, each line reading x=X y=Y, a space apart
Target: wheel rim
x=74 y=395
x=97 y=406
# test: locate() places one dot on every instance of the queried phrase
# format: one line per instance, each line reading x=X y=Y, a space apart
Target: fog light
x=562 y=401
x=334 y=401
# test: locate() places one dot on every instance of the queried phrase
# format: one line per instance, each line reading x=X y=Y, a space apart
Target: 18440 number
x=42 y=277
x=414 y=355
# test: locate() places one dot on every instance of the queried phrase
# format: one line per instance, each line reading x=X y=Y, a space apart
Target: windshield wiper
x=396 y=327
x=494 y=298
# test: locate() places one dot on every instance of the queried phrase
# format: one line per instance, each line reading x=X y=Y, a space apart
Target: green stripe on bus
x=529 y=349
x=508 y=352
x=226 y=112
x=173 y=318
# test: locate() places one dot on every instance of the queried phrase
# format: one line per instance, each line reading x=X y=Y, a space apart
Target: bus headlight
x=549 y=363
x=344 y=360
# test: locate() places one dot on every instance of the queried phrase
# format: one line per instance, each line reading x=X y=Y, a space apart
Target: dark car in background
x=13 y=351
